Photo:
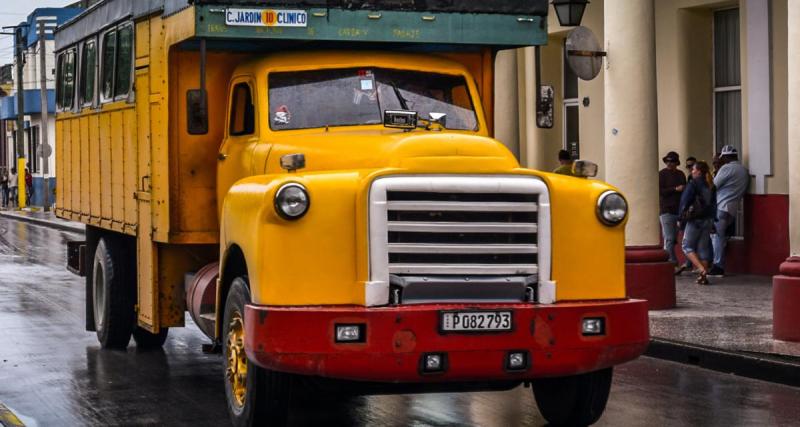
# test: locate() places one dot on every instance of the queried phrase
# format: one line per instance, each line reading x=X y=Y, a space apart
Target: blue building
x=52 y=17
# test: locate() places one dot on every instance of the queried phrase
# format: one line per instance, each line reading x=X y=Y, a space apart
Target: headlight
x=611 y=208
x=292 y=201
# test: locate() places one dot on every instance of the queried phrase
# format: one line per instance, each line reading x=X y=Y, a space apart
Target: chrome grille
x=445 y=229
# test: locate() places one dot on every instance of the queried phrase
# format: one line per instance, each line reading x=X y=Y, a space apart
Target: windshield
x=359 y=96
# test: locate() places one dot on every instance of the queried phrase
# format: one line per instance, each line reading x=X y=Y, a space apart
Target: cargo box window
x=109 y=55
x=124 y=67
x=117 y=63
x=66 y=80
x=243 y=117
x=359 y=96
x=88 y=72
x=59 y=80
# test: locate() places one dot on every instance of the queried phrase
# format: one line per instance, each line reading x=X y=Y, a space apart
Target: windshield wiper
x=403 y=103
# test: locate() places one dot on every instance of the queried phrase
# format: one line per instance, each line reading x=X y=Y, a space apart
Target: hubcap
x=99 y=291
x=236 y=371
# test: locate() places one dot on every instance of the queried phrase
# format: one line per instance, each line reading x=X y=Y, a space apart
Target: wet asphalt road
x=53 y=373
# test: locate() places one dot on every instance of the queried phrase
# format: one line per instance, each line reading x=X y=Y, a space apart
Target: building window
x=727 y=80
x=571 y=109
x=88 y=72
x=728 y=90
x=33 y=149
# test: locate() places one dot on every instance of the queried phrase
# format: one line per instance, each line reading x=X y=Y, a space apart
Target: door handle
x=222 y=156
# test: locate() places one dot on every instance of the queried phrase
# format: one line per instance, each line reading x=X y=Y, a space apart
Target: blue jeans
x=695 y=238
x=720 y=239
x=669 y=230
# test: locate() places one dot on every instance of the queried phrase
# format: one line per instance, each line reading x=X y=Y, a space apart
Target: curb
x=767 y=367
x=65 y=226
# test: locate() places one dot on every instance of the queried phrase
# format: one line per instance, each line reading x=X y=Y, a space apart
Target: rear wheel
x=255 y=396
x=577 y=400
x=113 y=296
x=144 y=339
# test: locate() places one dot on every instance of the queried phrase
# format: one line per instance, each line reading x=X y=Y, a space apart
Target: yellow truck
x=316 y=182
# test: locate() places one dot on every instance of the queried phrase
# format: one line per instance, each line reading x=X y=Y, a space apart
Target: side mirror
x=544 y=108
x=400 y=119
x=196 y=112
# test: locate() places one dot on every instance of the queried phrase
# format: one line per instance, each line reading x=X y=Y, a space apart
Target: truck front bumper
x=301 y=340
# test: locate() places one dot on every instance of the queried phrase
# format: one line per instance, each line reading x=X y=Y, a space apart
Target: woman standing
x=697 y=210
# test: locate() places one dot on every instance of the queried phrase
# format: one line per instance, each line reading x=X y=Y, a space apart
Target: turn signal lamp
x=432 y=363
x=517 y=361
x=594 y=326
x=350 y=333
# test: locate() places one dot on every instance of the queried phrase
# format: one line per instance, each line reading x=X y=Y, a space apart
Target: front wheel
x=255 y=396
x=577 y=400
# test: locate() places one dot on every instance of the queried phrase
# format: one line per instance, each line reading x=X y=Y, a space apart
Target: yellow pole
x=21 y=189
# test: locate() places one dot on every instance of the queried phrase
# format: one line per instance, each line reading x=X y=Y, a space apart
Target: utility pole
x=21 y=189
x=44 y=146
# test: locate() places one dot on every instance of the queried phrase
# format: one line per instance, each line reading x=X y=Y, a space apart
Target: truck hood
x=390 y=148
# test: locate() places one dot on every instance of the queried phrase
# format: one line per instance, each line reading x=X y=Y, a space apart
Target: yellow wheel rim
x=236 y=371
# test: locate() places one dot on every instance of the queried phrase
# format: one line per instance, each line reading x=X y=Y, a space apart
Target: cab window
x=242 y=120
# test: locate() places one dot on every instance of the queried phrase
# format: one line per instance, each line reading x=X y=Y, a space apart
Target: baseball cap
x=728 y=150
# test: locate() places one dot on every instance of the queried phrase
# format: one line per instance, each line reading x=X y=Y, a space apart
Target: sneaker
x=716 y=271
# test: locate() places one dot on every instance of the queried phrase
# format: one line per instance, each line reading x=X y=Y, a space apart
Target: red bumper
x=301 y=340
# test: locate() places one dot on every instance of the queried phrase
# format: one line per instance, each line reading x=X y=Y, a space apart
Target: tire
x=113 y=296
x=577 y=400
x=266 y=395
x=146 y=340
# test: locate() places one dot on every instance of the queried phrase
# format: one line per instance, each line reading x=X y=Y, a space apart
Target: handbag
x=695 y=210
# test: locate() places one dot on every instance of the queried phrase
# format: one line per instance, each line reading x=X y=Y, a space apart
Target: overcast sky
x=12 y=12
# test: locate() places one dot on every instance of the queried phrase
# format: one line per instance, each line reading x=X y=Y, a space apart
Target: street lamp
x=569 y=12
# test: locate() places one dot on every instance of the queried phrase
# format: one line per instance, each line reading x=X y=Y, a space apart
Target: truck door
x=241 y=137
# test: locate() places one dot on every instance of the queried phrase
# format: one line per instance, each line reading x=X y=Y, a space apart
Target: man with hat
x=671 y=182
x=731 y=182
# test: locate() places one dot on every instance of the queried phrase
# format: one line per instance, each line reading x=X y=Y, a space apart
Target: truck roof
x=501 y=23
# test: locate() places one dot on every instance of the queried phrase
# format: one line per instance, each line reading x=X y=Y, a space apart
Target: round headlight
x=611 y=208
x=292 y=201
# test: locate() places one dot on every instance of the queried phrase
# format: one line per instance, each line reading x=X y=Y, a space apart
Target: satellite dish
x=583 y=53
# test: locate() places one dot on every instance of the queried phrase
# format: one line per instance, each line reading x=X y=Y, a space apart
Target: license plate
x=470 y=321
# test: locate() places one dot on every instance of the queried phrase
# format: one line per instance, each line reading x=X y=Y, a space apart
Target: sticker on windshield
x=282 y=116
x=366 y=84
x=265 y=18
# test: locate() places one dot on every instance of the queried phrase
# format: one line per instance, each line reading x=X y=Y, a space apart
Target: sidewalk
x=46 y=219
x=725 y=326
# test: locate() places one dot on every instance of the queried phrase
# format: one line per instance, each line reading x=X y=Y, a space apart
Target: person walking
x=671 y=183
x=731 y=181
x=565 y=160
x=12 y=188
x=4 y=187
x=28 y=186
x=697 y=209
